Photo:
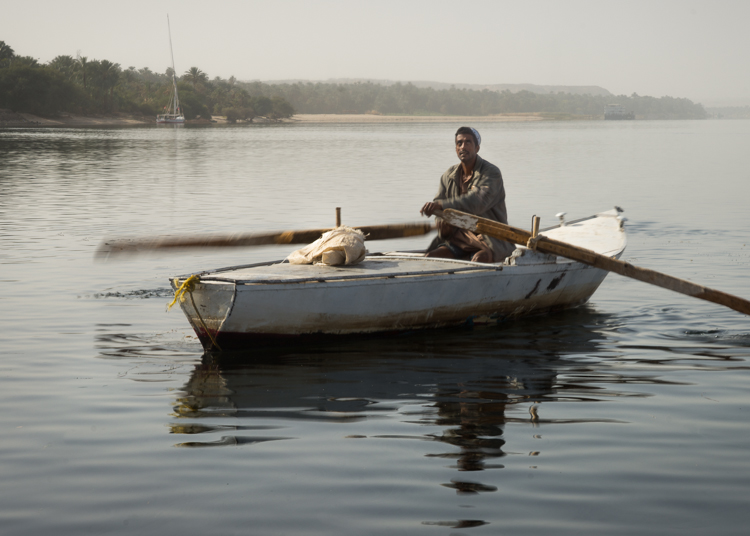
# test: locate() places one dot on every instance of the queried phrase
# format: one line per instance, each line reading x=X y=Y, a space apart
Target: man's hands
x=445 y=230
x=430 y=208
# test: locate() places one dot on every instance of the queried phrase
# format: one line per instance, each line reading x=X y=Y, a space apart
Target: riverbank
x=11 y=119
x=377 y=118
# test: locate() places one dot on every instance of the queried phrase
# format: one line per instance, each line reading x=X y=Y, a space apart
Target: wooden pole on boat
x=535 y=225
x=338 y=217
x=591 y=258
x=113 y=247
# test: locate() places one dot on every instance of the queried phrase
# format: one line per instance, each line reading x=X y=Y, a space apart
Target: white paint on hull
x=398 y=292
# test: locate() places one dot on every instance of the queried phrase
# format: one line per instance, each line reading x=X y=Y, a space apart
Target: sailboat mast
x=174 y=74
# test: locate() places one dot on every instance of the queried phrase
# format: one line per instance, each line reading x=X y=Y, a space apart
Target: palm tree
x=110 y=73
x=6 y=54
x=195 y=75
x=28 y=61
x=65 y=64
x=82 y=64
x=105 y=76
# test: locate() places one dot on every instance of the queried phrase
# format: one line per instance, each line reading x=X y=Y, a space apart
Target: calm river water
x=630 y=415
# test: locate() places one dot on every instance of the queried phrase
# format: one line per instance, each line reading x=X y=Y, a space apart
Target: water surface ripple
x=628 y=415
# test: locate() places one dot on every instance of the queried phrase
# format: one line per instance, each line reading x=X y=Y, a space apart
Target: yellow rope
x=189 y=286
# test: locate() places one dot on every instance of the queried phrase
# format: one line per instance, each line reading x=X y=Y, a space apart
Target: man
x=474 y=186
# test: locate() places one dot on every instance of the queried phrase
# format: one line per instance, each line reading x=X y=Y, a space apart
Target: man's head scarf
x=477 y=136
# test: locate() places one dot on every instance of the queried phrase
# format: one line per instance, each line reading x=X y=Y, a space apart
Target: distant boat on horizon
x=614 y=112
x=175 y=116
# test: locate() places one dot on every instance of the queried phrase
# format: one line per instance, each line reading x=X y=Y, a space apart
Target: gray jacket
x=485 y=198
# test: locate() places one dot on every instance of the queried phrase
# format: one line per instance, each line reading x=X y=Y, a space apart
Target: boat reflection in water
x=466 y=384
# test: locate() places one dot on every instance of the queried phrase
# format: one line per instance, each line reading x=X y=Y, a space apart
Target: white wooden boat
x=395 y=292
x=173 y=113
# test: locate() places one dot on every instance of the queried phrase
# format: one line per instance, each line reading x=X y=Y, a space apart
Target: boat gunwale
x=356 y=277
x=469 y=266
x=528 y=269
x=473 y=268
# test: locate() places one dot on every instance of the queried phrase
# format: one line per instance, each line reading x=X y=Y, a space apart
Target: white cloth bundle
x=342 y=245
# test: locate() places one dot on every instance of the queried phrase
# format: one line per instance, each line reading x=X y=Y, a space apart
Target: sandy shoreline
x=11 y=119
x=373 y=118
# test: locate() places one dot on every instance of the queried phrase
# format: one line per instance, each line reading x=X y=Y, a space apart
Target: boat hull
x=236 y=314
x=175 y=121
x=388 y=293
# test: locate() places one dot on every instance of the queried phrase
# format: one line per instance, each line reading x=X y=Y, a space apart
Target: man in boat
x=474 y=186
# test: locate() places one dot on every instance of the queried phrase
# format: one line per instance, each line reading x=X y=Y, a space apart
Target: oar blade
x=118 y=247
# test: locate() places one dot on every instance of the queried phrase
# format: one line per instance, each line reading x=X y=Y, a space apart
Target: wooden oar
x=119 y=246
x=591 y=258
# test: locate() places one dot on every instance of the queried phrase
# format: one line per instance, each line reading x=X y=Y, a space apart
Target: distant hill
x=513 y=88
x=352 y=96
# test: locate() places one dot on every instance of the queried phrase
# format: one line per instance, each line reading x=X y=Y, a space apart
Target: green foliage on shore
x=88 y=86
x=37 y=90
x=80 y=85
x=407 y=99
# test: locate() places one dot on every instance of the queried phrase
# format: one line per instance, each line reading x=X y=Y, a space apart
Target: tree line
x=407 y=99
x=90 y=86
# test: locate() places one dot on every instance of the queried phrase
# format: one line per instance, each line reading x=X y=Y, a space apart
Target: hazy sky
x=683 y=48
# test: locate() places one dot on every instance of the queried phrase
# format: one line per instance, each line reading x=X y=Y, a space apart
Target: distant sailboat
x=173 y=111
